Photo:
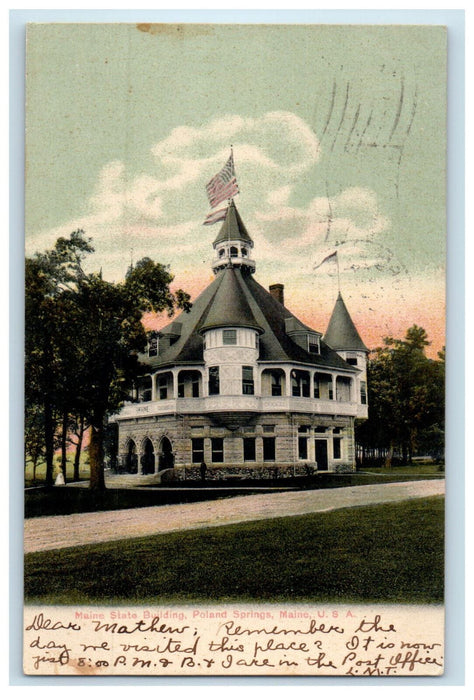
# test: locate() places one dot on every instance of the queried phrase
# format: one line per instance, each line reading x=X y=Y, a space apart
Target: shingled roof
x=233 y=228
x=235 y=298
x=229 y=305
x=342 y=333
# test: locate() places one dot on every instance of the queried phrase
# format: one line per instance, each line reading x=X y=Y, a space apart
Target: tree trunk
x=49 y=428
x=388 y=458
x=96 y=455
x=405 y=453
x=77 y=456
x=64 y=432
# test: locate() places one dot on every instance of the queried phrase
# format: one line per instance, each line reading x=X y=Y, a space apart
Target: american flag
x=215 y=216
x=223 y=185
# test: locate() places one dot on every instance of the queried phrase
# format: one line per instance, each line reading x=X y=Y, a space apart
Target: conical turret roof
x=233 y=228
x=341 y=333
x=229 y=307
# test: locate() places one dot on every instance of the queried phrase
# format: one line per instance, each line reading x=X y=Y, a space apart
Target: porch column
x=175 y=373
x=311 y=385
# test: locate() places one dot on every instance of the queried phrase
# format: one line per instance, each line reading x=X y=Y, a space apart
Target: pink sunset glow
x=377 y=311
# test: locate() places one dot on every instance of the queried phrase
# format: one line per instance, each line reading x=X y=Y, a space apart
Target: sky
x=338 y=134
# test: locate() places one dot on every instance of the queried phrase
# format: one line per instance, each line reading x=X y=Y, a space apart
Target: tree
x=47 y=325
x=34 y=437
x=89 y=352
x=406 y=395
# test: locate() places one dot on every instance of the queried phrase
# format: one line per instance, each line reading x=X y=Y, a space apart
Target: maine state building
x=240 y=384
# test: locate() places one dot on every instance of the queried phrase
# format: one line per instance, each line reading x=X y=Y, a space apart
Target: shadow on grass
x=72 y=499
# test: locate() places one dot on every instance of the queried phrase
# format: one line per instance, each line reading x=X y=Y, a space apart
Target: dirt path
x=59 y=531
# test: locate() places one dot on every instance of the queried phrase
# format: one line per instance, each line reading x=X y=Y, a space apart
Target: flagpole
x=338 y=276
x=230 y=199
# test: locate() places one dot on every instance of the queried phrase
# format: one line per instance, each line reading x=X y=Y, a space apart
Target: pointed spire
x=341 y=333
x=233 y=244
x=233 y=228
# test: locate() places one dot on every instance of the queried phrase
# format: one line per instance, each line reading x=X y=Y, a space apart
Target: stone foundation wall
x=180 y=430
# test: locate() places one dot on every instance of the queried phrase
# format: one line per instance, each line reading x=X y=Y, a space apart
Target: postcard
x=235 y=350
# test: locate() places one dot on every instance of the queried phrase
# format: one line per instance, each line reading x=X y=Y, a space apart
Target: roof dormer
x=303 y=336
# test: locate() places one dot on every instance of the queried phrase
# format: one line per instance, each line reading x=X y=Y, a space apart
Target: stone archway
x=166 y=458
x=131 y=458
x=147 y=459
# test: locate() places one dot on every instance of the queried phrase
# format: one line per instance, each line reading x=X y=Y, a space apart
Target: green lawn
x=391 y=553
x=418 y=469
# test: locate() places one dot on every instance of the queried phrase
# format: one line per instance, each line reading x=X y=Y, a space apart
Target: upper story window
x=313 y=344
x=153 y=347
x=213 y=380
x=244 y=252
x=234 y=252
x=221 y=252
x=247 y=380
x=229 y=337
x=363 y=392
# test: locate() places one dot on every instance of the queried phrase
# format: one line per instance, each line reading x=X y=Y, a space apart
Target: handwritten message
x=257 y=640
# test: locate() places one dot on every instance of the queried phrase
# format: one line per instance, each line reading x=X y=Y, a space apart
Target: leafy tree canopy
x=406 y=395
x=84 y=334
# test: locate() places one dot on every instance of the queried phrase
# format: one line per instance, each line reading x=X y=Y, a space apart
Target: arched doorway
x=148 y=458
x=166 y=460
x=131 y=460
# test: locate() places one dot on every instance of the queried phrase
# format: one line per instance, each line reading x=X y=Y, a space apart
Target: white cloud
x=160 y=212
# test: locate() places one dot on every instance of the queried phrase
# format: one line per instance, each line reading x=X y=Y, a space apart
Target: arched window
x=234 y=252
x=221 y=252
x=299 y=383
x=273 y=382
x=189 y=384
x=323 y=386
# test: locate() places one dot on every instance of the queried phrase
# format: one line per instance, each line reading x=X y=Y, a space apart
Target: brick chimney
x=277 y=292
